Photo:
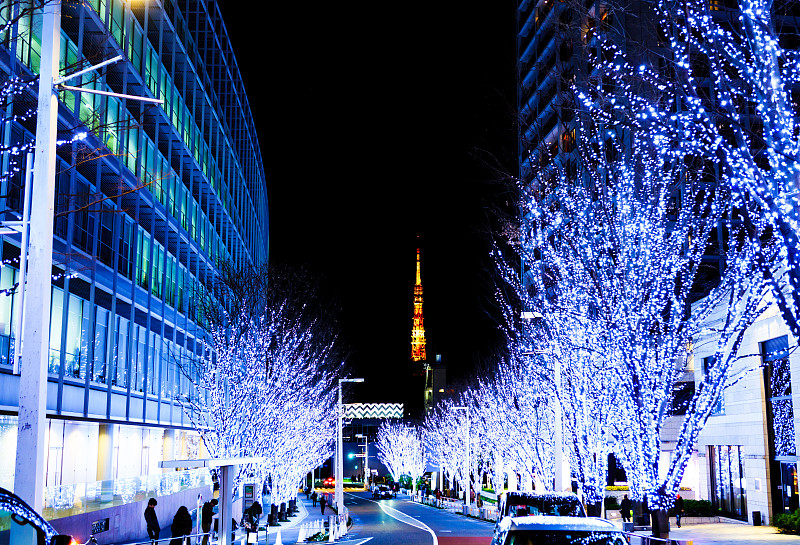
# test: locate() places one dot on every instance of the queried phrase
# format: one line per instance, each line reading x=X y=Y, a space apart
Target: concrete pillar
x=202 y=451
x=183 y=449
x=168 y=450
x=105 y=451
x=225 y=503
x=29 y=476
x=105 y=459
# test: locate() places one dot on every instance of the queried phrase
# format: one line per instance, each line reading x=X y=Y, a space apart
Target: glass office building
x=147 y=207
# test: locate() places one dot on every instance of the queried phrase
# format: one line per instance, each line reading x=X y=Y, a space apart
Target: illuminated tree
x=734 y=84
x=446 y=432
x=265 y=384
x=401 y=448
x=612 y=256
x=514 y=409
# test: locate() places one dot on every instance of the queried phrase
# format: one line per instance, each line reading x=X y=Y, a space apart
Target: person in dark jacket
x=150 y=518
x=314 y=498
x=625 y=509
x=678 y=510
x=322 y=501
x=251 y=519
x=181 y=526
x=206 y=516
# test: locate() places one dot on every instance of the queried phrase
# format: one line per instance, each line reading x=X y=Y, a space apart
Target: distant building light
x=441 y=390
x=527 y=315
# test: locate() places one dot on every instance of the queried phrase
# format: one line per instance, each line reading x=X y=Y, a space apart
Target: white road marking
x=413 y=522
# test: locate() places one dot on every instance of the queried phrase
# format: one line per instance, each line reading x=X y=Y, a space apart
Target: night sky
x=379 y=123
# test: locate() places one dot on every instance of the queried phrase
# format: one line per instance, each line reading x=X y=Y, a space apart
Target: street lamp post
x=33 y=345
x=558 y=433
x=466 y=457
x=338 y=493
x=366 y=458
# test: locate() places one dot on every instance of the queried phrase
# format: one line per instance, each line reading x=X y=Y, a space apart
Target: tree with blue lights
x=401 y=448
x=266 y=380
x=612 y=254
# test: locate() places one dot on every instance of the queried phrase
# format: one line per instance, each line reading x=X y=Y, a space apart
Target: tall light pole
x=466 y=456
x=34 y=346
x=366 y=458
x=558 y=433
x=338 y=493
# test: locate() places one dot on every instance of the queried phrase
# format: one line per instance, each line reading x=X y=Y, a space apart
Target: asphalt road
x=402 y=522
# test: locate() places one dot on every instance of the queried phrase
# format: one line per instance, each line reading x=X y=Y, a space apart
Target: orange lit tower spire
x=418 y=329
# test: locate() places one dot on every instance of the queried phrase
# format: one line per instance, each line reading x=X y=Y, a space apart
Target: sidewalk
x=306 y=514
x=729 y=534
x=722 y=533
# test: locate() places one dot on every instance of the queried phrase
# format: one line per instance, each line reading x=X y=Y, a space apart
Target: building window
x=121 y=361
x=775 y=354
x=56 y=315
x=780 y=425
x=728 y=490
x=99 y=371
x=719 y=407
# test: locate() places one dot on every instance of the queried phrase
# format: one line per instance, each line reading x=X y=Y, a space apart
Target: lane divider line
x=413 y=522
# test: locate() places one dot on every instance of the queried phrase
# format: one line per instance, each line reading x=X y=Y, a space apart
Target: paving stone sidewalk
x=290 y=530
x=731 y=534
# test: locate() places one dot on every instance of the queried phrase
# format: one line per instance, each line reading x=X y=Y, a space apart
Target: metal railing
x=640 y=539
x=75 y=499
x=194 y=538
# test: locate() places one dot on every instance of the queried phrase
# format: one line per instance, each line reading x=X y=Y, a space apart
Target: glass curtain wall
x=729 y=490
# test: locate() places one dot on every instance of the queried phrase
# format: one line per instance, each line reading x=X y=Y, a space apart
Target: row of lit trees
x=615 y=290
x=614 y=251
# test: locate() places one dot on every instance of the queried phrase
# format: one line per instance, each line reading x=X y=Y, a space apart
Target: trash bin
x=627 y=527
x=756 y=518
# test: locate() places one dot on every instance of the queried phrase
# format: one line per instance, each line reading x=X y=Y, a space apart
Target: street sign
x=360 y=455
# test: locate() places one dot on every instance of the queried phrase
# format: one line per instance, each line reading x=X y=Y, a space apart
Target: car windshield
x=535 y=537
x=15 y=529
x=557 y=506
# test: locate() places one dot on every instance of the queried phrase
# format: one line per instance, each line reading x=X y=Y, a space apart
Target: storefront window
x=729 y=490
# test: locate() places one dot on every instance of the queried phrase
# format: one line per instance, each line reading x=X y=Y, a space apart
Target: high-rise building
x=147 y=207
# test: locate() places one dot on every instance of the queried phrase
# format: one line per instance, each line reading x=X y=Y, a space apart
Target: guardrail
x=193 y=538
x=456 y=506
x=491 y=514
x=639 y=539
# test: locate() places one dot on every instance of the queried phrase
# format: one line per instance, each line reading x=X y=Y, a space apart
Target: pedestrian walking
x=181 y=526
x=322 y=503
x=678 y=510
x=206 y=515
x=314 y=498
x=625 y=509
x=151 y=520
x=251 y=519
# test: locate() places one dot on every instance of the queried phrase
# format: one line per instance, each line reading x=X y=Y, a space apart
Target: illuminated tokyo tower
x=418 y=329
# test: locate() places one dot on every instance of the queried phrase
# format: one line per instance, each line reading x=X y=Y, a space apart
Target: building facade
x=748 y=449
x=148 y=205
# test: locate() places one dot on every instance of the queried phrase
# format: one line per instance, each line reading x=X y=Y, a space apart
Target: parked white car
x=556 y=530
x=559 y=504
x=381 y=492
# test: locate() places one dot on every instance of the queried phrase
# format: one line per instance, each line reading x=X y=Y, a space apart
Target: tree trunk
x=660 y=523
